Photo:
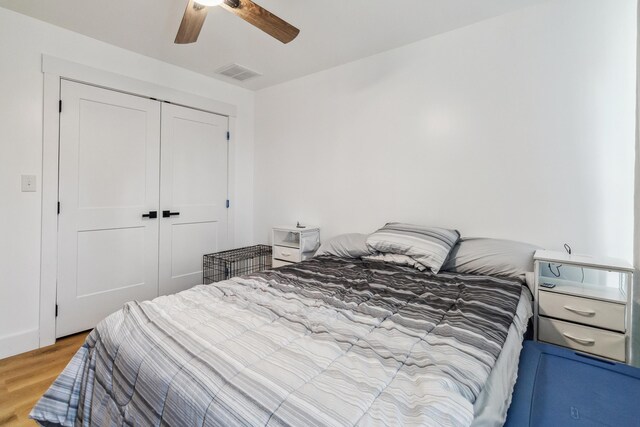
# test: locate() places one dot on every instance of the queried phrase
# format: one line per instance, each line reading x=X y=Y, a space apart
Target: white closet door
x=193 y=192
x=109 y=178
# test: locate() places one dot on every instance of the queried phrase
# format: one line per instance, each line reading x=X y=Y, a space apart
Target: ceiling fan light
x=208 y=2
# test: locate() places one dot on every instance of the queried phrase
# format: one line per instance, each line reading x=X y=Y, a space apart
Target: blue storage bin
x=558 y=387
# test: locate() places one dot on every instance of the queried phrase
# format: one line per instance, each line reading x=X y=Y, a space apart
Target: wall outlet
x=28 y=183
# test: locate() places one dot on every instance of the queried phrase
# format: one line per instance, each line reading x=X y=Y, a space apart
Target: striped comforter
x=329 y=341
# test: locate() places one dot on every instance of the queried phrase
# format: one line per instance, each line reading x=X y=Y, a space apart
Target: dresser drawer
x=286 y=254
x=602 y=314
x=583 y=338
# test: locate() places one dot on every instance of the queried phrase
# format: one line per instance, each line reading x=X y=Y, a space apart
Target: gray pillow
x=396 y=259
x=491 y=257
x=430 y=246
x=353 y=245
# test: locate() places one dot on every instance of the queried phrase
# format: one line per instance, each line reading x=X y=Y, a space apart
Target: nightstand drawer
x=583 y=338
x=593 y=312
x=286 y=254
x=275 y=263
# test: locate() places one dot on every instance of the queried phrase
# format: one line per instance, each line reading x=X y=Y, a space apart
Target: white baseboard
x=21 y=342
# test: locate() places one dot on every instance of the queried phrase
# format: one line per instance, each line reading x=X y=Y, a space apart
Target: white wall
x=22 y=42
x=519 y=127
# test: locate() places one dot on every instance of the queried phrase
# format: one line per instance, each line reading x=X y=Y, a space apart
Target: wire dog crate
x=235 y=262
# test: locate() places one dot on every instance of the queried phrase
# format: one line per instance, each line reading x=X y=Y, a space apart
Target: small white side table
x=292 y=244
x=584 y=303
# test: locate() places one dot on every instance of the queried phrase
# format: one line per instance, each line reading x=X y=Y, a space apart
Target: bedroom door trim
x=54 y=71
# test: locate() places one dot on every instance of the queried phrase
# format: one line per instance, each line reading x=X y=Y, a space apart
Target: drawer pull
x=286 y=253
x=579 y=311
x=584 y=341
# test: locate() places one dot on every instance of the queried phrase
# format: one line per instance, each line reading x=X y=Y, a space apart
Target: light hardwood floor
x=25 y=377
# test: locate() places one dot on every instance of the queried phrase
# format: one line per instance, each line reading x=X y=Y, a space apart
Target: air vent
x=237 y=72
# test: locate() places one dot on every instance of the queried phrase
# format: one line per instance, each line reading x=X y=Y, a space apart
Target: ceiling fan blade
x=263 y=19
x=191 y=24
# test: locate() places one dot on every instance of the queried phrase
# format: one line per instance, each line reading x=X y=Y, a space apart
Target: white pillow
x=353 y=245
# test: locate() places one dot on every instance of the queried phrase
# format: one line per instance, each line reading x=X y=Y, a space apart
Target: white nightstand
x=589 y=306
x=292 y=244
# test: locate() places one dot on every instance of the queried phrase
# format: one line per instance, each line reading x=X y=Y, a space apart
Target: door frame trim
x=54 y=70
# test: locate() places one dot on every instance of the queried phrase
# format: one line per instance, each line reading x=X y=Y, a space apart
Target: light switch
x=28 y=183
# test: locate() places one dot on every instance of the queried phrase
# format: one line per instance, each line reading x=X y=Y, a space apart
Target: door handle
x=167 y=214
x=151 y=215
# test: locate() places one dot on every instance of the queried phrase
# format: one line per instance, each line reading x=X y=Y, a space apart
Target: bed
x=329 y=341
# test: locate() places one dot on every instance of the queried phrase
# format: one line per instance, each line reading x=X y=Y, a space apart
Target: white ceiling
x=333 y=32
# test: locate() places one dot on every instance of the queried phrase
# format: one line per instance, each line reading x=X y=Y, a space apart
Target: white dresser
x=584 y=303
x=292 y=244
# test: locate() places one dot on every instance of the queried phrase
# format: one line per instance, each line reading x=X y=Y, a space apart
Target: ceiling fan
x=257 y=16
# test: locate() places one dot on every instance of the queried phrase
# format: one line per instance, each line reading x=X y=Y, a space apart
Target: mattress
x=558 y=387
x=329 y=341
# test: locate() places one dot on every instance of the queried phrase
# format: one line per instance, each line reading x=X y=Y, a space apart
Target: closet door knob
x=167 y=214
x=151 y=215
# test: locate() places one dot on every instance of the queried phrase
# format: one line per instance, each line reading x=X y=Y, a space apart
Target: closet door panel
x=109 y=178
x=194 y=189
x=188 y=239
